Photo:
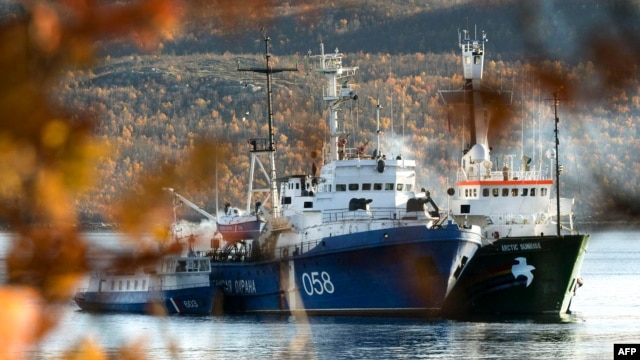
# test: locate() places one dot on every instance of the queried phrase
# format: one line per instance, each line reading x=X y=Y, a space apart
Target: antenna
x=337 y=91
x=393 y=133
x=556 y=103
x=268 y=70
x=378 y=107
x=402 y=141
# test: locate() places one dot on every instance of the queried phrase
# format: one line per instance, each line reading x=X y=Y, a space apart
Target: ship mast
x=472 y=63
x=556 y=102
x=475 y=95
x=335 y=93
x=378 y=149
x=259 y=145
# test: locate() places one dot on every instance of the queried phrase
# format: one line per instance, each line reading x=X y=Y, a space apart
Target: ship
x=531 y=256
x=236 y=224
x=173 y=285
x=352 y=237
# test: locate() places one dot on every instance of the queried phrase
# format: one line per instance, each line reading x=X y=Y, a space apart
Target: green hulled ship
x=531 y=256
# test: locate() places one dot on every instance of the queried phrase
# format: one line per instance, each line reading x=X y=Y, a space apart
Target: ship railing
x=500 y=175
x=231 y=254
x=177 y=287
x=376 y=214
x=345 y=153
x=520 y=219
x=303 y=247
x=153 y=288
x=297 y=249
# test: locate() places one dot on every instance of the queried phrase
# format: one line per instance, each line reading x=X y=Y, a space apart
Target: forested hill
x=547 y=30
x=153 y=109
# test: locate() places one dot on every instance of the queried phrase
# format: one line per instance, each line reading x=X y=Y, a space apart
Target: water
x=606 y=311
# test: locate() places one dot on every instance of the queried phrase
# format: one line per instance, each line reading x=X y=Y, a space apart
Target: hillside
x=153 y=109
x=570 y=30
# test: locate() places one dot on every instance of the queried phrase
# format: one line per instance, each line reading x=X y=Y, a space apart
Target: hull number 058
x=317 y=283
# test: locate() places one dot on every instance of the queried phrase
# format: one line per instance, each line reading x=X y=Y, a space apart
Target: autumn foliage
x=48 y=152
x=89 y=137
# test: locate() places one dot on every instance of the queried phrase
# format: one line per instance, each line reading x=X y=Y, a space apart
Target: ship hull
x=233 y=232
x=519 y=276
x=192 y=301
x=396 y=271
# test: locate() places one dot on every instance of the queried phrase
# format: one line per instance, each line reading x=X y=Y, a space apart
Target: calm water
x=606 y=311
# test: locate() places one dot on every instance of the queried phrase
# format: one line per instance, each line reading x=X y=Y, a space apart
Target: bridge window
x=514 y=192
x=543 y=192
x=366 y=186
x=377 y=186
x=113 y=285
x=388 y=186
x=495 y=191
x=120 y=285
x=204 y=265
x=485 y=192
x=354 y=187
x=533 y=192
x=525 y=192
x=409 y=187
x=505 y=192
x=399 y=187
x=341 y=187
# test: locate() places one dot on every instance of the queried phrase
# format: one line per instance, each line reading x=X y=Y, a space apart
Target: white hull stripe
x=175 y=306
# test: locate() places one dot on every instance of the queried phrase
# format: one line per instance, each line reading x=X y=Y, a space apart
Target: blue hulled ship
x=176 y=285
x=355 y=238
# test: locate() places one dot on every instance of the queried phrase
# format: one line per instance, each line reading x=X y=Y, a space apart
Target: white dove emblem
x=522 y=269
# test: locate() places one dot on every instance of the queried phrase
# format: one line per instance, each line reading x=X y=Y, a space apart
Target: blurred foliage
x=49 y=152
x=84 y=135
